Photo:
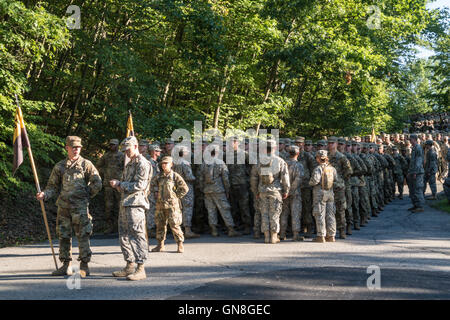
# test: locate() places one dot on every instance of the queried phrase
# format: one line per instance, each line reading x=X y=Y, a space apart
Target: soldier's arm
x=154 y=184
x=95 y=181
x=190 y=178
x=254 y=179
x=225 y=179
x=143 y=171
x=315 y=176
x=347 y=168
x=100 y=164
x=298 y=177
x=285 y=183
x=306 y=177
x=181 y=187
x=53 y=184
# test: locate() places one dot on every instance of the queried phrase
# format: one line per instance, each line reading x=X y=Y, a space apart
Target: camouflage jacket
x=296 y=176
x=308 y=162
x=416 y=162
x=110 y=166
x=183 y=168
x=171 y=189
x=343 y=169
x=431 y=162
x=316 y=180
x=239 y=171
x=270 y=176
x=135 y=182
x=356 y=168
x=214 y=177
x=400 y=164
x=76 y=183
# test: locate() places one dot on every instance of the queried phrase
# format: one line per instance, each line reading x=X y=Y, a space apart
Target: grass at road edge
x=441 y=204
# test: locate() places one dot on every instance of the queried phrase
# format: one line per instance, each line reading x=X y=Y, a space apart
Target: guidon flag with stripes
x=20 y=139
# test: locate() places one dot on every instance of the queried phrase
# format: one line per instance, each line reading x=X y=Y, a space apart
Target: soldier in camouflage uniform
x=134 y=188
x=292 y=205
x=143 y=148
x=348 y=186
x=430 y=168
x=324 y=209
x=110 y=167
x=183 y=168
x=238 y=172
x=269 y=181
x=215 y=184
x=354 y=183
x=372 y=165
x=400 y=166
x=344 y=171
x=362 y=204
x=154 y=154
x=200 y=219
x=169 y=188
x=77 y=180
x=415 y=175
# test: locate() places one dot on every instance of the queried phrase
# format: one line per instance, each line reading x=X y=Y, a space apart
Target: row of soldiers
x=430 y=122
x=367 y=175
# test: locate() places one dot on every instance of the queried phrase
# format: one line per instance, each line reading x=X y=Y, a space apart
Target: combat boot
x=296 y=236
x=139 y=274
x=233 y=233
x=356 y=226
x=257 y=235
x=129 y=269
x=267 y=237
x=283 y=235
x=274 y=237
x=188 y=234
x=247 y=230
x=319 y=239
x=418 y=209
x=214 y=231
x=160 y=247
x=180 y=247
x=84 y=269
x=330 y=239
x=64 y=270
x=152 y=233
x=342 y=233
x=349 y=229
x=309 y=231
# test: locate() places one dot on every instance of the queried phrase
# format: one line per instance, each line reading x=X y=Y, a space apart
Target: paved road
x=412 y=251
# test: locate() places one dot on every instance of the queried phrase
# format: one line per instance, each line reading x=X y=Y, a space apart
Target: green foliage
x=230 y=63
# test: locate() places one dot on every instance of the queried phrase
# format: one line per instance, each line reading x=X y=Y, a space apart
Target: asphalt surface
x=410 y=250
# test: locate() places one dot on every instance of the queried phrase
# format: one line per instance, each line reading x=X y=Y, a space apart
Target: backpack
x=266 y=174
x=327 y=177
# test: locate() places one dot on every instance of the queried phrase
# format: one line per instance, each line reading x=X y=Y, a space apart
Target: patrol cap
x=394 y=148
x=271 y=143
x=348 y=143
x=322 y=154
x=166 y=159
x=429 y=142
x=355 y=143
x=282 y=140
x=294 y=149
x=73 y=141
x=299 y=139
x=143 y=142
x=128 y=142
x=332 y=139
x=308 y=142
x=114 y=141
x=154 y=147
x=321 y=143
x=413 y=136
x=288 y=141
x=341 y=141
x=169 y=141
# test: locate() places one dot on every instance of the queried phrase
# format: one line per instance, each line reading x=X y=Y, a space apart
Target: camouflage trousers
x=214 y=201
x=446 y=186
x=173 y=217
x=81 y=221
x=372 y=194
x=307 y=218
x=112 y=203
x=292 y=206
x=416 y=190
x=340 y=203
x=365 y=209
x=150 y=213
x=399 y=181
x=187 y=205
x=355 y=204
x=430 y=179
x=257 y=216
x=379 y=191
x=132 y=234
x=240 y=203
x=271 y=206
x=324 y=212
x=200 y=219
x=348 y=205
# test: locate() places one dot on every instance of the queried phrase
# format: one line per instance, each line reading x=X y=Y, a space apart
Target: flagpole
x=38 y=187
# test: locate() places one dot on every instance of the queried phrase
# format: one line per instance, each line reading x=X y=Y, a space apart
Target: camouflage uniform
x=77 y=181
x=430 y=168
x=309 y=163
x=110 y=167
x=270 y=180
x=292 y=205
x=134 y=188
x=215 y=185
x=344 y=171
x=239 y=189
x=363 y=206
x=371 y=164
x=324 y=209
x=200 y=219
x=352 y=189
x=183 y=168
x=151 y=197
x=170 y=188
x=400 y=165
x=415 y=185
